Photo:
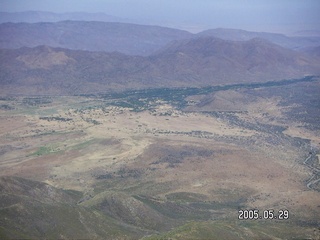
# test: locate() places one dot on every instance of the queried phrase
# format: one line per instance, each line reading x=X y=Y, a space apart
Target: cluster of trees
x=56 y=119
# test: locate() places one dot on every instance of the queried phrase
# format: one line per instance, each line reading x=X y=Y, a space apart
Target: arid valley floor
x=162 y=164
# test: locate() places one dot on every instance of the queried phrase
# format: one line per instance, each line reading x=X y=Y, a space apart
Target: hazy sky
x=260 y=15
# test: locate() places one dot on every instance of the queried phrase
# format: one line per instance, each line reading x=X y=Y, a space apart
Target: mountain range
x=195 y=62
x=295 y=42
x=71 y=57
x=127 y=38
x=132 y=39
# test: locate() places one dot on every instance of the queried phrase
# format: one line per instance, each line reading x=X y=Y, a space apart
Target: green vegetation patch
x=140 y=100
x=62 y=119
x=84 y=144
x=44 y=150
x=6 y=107
x=236 y=230
x=175 y=210
x=34 y=101
x=186 y=197
x=200 y=202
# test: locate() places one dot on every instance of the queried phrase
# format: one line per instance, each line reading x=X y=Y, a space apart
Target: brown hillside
x=187 y=63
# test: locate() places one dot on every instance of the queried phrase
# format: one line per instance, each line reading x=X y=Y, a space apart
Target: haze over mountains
x=127 y=38
x=71 y=57
x=296 y=43
x=132 y=39
x=42 y=16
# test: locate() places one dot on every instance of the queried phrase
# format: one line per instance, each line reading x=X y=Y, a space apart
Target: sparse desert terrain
x=158 y=167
